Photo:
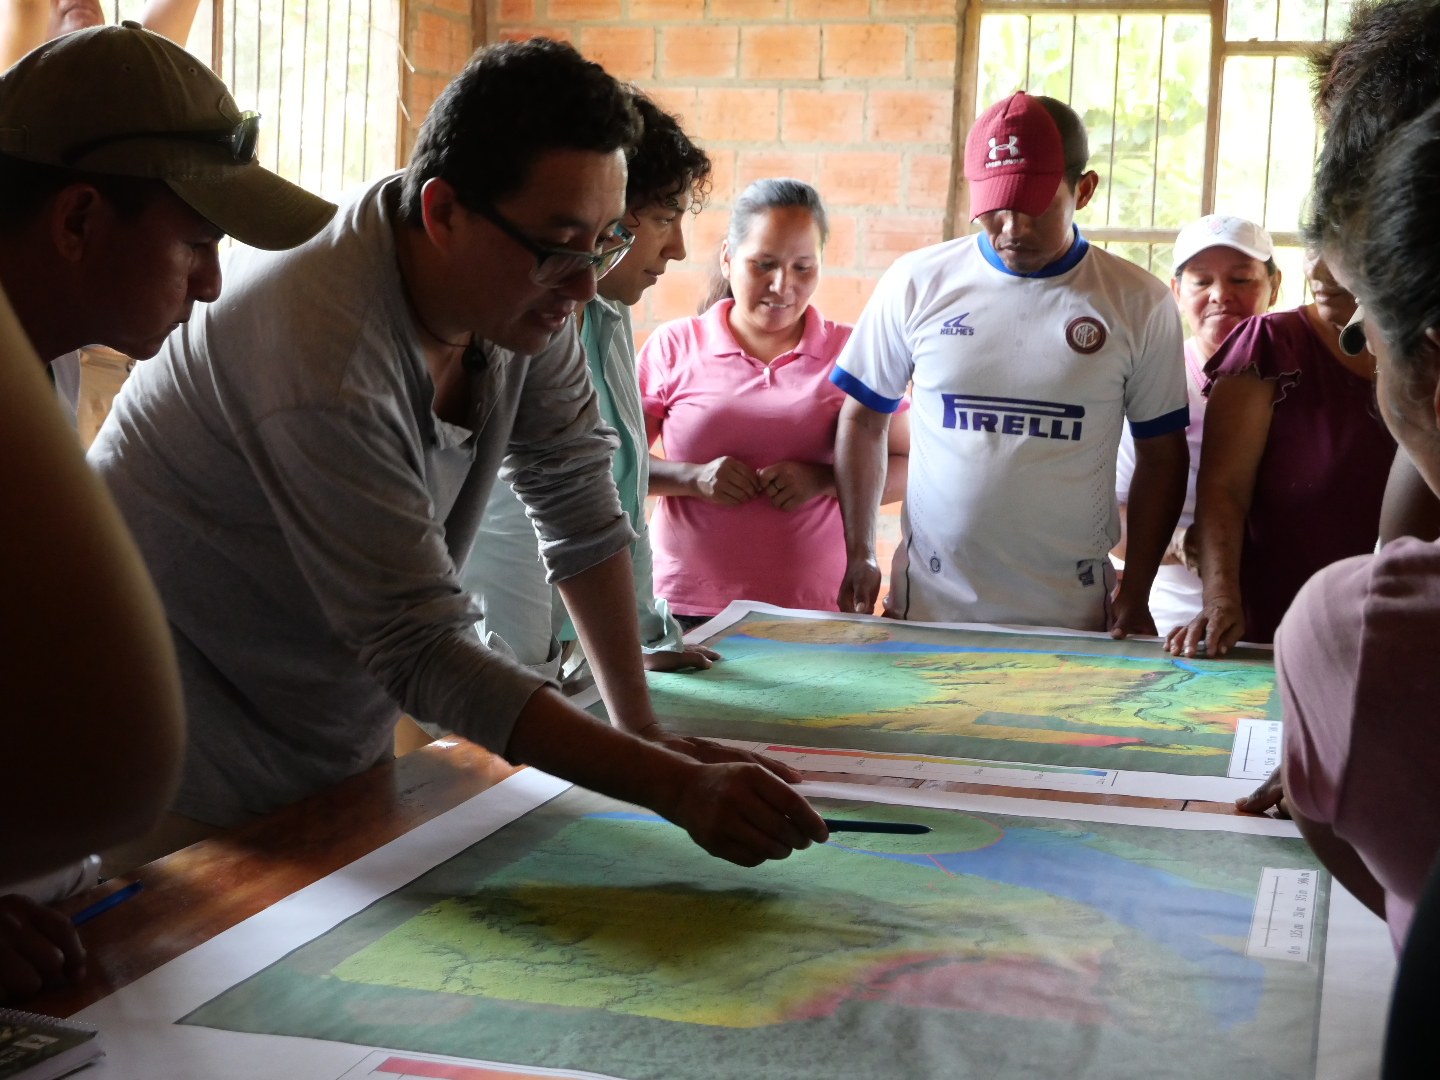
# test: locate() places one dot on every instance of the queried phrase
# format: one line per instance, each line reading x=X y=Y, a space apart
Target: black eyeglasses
x=240 y=140
x=553 y=265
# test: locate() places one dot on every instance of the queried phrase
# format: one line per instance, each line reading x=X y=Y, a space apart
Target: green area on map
x=1038 y=699
x=587 y=935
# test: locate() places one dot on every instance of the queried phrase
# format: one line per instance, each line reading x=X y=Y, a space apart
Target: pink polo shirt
x=712 y=400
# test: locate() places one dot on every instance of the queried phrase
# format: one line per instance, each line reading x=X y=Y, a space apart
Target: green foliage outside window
x=323 y=75
x=1141 y=82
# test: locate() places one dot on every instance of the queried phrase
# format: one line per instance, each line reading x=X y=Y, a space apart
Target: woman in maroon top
x=1292 y=469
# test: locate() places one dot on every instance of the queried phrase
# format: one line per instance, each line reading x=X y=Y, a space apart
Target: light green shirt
x=523 y=612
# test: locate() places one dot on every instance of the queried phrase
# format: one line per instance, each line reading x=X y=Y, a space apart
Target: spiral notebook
x=42 y=1047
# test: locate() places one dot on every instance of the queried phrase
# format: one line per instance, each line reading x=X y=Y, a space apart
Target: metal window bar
x=346 y=101
x=1221 y=49
x=1159 y=105
x=1114 y=110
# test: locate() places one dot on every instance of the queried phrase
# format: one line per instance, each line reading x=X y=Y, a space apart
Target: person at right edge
x=1384 y=71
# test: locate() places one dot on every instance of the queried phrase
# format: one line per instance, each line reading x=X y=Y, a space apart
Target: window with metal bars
x=323 y=74
x=1192 y=106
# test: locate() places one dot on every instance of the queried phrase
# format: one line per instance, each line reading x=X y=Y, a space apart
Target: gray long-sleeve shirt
x=303 y=512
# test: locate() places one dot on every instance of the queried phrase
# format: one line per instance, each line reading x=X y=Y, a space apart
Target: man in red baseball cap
x=1026 y=350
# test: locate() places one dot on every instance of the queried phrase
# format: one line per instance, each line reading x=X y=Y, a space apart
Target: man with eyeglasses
x=305 y=468
x=124 y=160
x=668 y=177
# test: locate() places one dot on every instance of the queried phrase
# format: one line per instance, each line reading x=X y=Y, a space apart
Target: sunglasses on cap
x=241 y=140
x=554 y=265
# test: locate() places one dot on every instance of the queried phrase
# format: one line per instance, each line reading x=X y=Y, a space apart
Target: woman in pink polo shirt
x=741 y=398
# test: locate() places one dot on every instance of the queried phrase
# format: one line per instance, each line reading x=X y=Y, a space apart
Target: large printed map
x=589 y=935
x=883 y=685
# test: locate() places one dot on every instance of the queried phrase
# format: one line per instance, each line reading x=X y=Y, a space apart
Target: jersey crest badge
x=1086 y=335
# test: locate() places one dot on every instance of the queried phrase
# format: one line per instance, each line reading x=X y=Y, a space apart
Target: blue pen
x=119 y=896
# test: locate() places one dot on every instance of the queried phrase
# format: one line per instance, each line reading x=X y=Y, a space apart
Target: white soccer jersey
x=1020 y=385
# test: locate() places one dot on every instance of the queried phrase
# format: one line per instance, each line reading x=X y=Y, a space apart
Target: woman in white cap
x=1292 y=467
x=1224 y=272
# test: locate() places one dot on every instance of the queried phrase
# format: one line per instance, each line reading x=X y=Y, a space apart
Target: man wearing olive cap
x=1025 y=349
x=124 y=160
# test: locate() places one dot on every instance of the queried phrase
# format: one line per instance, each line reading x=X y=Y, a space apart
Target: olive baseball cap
x=123 y=101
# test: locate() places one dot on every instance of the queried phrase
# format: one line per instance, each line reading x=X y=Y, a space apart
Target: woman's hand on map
x=860 y=587
x=38 y=948
x=1270 y=793
x=708 y=752
x=744 y=814
x=694 y=657
x=1212 y=633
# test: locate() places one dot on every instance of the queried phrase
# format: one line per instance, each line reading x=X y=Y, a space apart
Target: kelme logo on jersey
x=959 y=326
x=1013 y=416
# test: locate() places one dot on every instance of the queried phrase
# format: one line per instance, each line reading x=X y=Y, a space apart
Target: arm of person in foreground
x=94 y=729
x=1157 y=492
x=601 y=602
x=861 y=450
x=734 y=810
x=726 y=481
x=1237 y=425
x=1339 y=857
x=1410 y=508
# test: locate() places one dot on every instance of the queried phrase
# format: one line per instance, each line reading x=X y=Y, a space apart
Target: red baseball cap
x=1014 y=157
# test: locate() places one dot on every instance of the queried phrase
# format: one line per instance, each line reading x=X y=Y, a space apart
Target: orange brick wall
x=439 y=36
x=855 y=96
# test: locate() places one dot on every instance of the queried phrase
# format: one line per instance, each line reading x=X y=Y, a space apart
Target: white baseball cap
x=1222 y=230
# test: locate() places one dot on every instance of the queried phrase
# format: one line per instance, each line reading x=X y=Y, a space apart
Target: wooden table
x=203 y=890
